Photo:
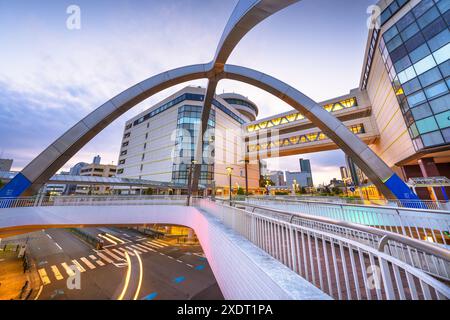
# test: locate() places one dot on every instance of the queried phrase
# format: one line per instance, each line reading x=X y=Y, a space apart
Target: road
x=131 y=266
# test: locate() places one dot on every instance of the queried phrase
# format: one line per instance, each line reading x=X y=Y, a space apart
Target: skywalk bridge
x=257 y=252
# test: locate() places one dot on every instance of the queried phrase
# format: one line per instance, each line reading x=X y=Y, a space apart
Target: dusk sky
x=51 y=77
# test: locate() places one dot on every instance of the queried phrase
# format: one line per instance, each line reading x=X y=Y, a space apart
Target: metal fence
x=427 y=225
x=411 y=204
x=339 y=262
x=91 y=200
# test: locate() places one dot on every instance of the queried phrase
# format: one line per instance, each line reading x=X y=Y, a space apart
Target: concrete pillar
x=429 y=170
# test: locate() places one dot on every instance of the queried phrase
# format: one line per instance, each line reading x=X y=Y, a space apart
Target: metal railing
x=341 y=259
x=90 y=200
x=430 y=258
x=411 y=204
x=428 y=225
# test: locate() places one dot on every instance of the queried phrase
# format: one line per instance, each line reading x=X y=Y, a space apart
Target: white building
x=158 y=144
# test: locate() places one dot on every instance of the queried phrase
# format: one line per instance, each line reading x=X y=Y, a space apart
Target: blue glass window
x=443 y=120
x=419 y=53
x=416 y=99
x=442 y=54
x=428 y=17
x=430 y=77
x=432 y=139
x=427 y=125
x=410 y=31
x=424 y=64
x=436 y=90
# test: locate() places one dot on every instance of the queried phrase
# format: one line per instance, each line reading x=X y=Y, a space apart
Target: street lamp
x=246 y=161
x=193 y=163
x=295 y=186
x=230 y=173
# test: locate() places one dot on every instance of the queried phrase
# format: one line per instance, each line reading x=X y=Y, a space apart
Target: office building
x=5 y=165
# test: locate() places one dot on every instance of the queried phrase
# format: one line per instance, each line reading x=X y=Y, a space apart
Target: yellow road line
x=141 y=275
x=127 y=278
x=56 y=272
x=44 y=277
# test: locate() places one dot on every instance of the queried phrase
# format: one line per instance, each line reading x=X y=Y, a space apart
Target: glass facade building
x=188 y=127
x=416 y=52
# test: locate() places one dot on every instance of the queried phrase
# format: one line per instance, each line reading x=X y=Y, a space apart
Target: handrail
x=422 y=245
x=348 y=205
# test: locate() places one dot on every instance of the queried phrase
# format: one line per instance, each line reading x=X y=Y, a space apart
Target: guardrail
x=428 y=225
x=411 y=204
x=90 y=200
x=426 y=256
x=341 y=265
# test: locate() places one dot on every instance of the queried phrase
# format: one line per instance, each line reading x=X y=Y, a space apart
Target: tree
x=241 y=192
x=264 y=181
x=1 y=184
x=149 y=192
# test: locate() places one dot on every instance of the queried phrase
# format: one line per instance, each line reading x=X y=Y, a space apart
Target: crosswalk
x=116 y=256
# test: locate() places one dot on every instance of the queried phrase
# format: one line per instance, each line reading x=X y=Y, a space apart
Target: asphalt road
x=156 y=269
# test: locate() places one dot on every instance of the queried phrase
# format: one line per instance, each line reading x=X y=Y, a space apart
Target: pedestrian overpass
x=291 y=133
x=258 y=252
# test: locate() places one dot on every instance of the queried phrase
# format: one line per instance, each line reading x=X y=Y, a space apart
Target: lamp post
x=193 y=163
x=246 y=162
x=295 y=187
x=230 y=173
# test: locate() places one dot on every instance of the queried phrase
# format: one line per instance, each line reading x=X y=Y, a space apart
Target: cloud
x=55 y=77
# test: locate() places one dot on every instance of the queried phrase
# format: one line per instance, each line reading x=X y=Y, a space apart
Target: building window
x=122 y=161
x=120 y=171
x=124 y=152
x=416 y=51
x=127 y=135
x=125 y=144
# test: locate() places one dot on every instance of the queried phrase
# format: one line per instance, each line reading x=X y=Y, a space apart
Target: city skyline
x=68 y=81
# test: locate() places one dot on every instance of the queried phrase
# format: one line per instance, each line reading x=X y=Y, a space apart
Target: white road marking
x=88 y=263
x=148 y=247
x=162 y=254
x=129 y=252
x=69 y=271
x=49 y=236
x=161 y=243
x=59 y=246
x=108 y=260
x=155 y=245
x=110 y=254
x=79 y=266
x=93 y=257
x=44 y=277
x=139 y=248
x=120 y=253
x=189 y=265
x=100 y=263
x=179 y=261
x=171 y=257
x=56 y=272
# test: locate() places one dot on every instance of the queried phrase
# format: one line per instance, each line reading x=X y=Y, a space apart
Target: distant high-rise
x=305 y=166
x=5 y=164
x=97 y=160
x=344 y=173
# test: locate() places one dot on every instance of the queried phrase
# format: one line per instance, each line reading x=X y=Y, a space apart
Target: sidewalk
x=12 y=277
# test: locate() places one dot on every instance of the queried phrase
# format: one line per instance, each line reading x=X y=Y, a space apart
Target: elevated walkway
x=258 y=252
